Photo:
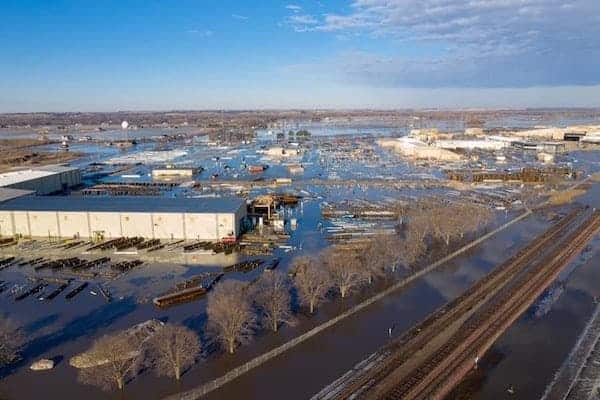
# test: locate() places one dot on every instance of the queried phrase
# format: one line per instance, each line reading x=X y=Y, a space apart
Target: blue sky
x=194 y=54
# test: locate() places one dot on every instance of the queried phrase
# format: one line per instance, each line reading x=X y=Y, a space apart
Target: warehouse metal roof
x=10 y=178
x=24 y=175
x=9 y=194
x=124 y=204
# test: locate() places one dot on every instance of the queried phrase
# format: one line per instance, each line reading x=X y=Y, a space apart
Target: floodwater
x=303 y=371
x=527 y=355
x=533 y=349
x=297 y=374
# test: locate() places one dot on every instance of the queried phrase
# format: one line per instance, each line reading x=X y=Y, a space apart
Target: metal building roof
x=24 y=175
x=9 y=193
x=10 y=178
x=124 y=204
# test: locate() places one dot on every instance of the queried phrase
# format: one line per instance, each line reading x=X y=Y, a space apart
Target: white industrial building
x=471 y=144
x=417 y=149
x=170 y=172
x=42 y=180
x=102 y=217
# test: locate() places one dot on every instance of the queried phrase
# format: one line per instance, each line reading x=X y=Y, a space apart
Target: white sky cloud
x=294 y=8
x=490 y=43
x=204 y=33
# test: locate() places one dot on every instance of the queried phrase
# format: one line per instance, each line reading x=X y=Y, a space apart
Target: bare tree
x=420 y=226
x=345 y=270
x=390 y=245
x=174 y=349
x=273 y=298
x=406 y=251
x=311 y=280
x=375 y=257
x=114 y=359
x=11 y=340
x=456 y=219
x=444 y=221
x=473 y=217
x=230 y=313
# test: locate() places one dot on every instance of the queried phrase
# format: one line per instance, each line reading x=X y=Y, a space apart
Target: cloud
x=301 y=22
x=202 y=33
x=488 y=43
x=240 y=17
x=294 y=8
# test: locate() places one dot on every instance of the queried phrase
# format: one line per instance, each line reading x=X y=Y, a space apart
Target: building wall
x=137 y=224
x=206 y=226
x=225 y=225
x=173 y=172
x=21 y=223
x=168 y=225
x=201 y=226
x=6 y=224
x=44 y=224
x=74 y=224
x=107 y=222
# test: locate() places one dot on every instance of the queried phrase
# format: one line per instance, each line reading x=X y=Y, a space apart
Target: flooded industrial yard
x=320 y=360
x=337 y=179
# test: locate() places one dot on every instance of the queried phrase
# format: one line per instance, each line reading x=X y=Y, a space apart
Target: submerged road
x=430 y=359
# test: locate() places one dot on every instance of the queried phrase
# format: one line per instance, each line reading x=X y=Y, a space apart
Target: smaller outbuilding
x=171 y=172
x=42 y=180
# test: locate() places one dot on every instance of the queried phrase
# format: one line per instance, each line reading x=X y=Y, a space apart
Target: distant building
x=549 y=147
x=418 y=150
x=472 y=144
x=474 y=132
x=525 y=145
x=573 y=136
x=174 y=172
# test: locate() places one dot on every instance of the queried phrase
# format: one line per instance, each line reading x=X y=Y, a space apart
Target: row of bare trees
x=236 y=310
x=115 y=359
x=438 y=220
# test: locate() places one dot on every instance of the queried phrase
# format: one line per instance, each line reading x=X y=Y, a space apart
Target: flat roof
x=24 y=175
x=222 y=205
x=9 y=193
x=56 y=168
x=10 y=178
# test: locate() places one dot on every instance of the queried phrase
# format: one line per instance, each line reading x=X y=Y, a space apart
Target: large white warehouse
x=111 y=217
x=42 y=180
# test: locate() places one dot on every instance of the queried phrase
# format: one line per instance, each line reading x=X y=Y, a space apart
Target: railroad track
x=436 y=377
x=396 y=354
